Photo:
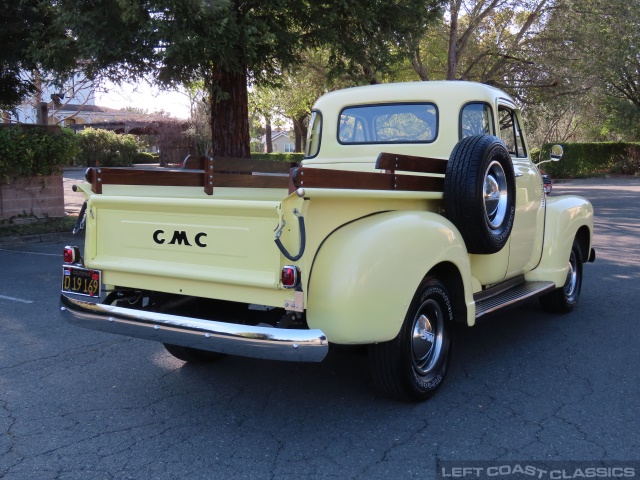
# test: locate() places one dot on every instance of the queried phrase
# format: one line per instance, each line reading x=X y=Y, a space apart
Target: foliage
x=39 y=226
x=594 y=49
x=588 y=159
x=200 y=125
x=28 y=29
x=367 y=40
x=106 y=148
x=280 y=157
x=499 y=42
x=145 y=157
x=31 y=150
x=227 y=45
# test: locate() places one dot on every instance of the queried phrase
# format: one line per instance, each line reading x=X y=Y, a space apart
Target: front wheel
x=565 y=298
x=413 y=365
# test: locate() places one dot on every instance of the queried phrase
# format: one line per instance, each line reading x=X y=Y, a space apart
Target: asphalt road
x=525 y=385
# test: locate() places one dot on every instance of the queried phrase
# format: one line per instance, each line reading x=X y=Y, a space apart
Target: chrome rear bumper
x=233 y=339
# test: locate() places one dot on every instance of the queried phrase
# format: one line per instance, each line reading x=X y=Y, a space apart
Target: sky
x=141 y=95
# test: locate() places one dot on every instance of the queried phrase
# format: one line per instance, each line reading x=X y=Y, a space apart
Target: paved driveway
x=526 y=385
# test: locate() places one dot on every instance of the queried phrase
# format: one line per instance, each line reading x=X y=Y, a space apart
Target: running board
x=487 y=303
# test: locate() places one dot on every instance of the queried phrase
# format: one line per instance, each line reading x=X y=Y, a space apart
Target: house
x=281 y=142
x=73 y=103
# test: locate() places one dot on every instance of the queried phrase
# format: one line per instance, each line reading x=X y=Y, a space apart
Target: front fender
x=565 y=216
x=366 y=273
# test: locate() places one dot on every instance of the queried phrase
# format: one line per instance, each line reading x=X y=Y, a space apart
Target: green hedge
x=106 y=148
x=30 y=150
x=592 y=159
x=280 y=157
x=146 y=157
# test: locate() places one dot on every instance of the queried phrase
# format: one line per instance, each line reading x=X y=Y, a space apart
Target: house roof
x=275 y=134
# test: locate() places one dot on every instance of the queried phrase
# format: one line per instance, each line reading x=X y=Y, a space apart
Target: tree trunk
x=452 y=54
x=229 y=114
x=300 y=131
x=268 y=135
x=296 y=132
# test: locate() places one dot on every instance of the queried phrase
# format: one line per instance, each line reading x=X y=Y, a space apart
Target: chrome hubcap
x=571 y=284
x=495 y=195
x=426 y=342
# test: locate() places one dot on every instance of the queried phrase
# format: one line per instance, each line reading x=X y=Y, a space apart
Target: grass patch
x=47 y=225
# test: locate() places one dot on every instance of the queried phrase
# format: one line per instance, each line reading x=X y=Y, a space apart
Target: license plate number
x=81 y=281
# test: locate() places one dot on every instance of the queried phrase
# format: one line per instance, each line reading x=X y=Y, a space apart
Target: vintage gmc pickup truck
x=416 y=206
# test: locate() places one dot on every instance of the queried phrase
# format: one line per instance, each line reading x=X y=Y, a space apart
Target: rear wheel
x=565 y=298
x=193 y=355
x=413 y=365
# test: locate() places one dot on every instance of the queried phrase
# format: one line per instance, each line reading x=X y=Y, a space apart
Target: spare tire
x=479 y=193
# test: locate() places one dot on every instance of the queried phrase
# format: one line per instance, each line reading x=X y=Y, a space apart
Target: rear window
x=393 y=123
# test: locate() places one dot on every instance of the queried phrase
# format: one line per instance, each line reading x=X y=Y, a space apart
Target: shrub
x=145 y=157
x=597 y=158
x=30 y=150
x=280 y=157
x=106 y=148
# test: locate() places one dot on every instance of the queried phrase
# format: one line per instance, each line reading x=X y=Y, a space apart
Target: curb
x=62 y=237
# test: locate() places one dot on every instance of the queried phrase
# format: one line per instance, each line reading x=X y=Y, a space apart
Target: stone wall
x=37 y=196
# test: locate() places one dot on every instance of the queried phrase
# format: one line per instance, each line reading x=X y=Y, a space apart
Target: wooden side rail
x=217 y=172
x=408 y=163
x=232 y=172
x=323 y=178
x=238 y=165
x=100 y=176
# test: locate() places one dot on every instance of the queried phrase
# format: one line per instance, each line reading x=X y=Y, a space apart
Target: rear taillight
x=290 y=276
x=72 y=255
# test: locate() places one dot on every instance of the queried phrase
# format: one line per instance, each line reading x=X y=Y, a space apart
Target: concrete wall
x=39 y=196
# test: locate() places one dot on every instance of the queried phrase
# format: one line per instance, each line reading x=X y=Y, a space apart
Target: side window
x=510 y=132
x=476 y=119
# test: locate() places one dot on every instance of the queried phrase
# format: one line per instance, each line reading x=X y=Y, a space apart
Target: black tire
x=413 y=365
x=480 y=193
x=565 y=298
x=192 y=355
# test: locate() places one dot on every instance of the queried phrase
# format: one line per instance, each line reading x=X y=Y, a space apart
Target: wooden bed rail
x=236 y=172
x=216 y=172
x=389 y=162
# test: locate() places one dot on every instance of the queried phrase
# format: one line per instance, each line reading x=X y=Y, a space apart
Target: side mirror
x=556 y=154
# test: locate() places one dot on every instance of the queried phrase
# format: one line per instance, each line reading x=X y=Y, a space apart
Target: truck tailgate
x=183 y=245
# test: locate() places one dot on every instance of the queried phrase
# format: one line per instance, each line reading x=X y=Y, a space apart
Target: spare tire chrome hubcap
x=495 y=194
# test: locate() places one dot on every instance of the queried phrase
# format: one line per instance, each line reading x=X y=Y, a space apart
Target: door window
x=510 y=132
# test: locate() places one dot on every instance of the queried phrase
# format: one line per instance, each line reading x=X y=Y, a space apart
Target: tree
x=302 y=86
x=263 y=106
x=231 y=43
x=28 y=29
x=594 y=48
x=613 y=47
x=498 y=42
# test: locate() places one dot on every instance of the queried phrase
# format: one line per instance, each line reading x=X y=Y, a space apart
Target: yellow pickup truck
x=417 y=205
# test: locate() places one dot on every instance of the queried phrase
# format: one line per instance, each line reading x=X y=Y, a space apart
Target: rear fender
x=567 y=217
x=366 y=273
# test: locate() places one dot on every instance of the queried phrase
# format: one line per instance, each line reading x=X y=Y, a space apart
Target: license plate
x=81 y=281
